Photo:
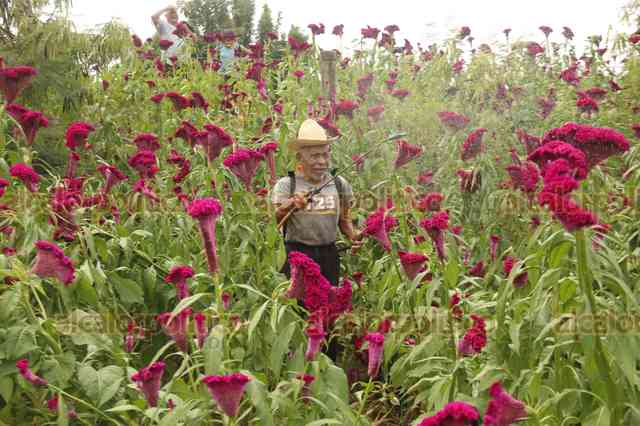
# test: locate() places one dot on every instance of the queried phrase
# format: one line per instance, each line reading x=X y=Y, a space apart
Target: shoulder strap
x=339 y=187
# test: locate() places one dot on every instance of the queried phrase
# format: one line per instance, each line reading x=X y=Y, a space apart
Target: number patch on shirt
x=322 y=202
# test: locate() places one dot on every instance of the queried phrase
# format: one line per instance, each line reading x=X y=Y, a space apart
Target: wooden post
x=328 y=60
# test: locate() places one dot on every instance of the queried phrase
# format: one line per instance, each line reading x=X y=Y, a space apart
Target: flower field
x=498 y=281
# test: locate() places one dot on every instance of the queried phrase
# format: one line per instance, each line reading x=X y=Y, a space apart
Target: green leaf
x=124 y=408
x=21 y=340
x=185 y=303
x=59 y=369
x=280 y=347
x=63 y=412
x=130 y=292
x=213 y=350
x=6 y=388
x=337 y=382
x=256 y=318
x=9 y=302
x=258 y=395
x=100 y=385
x=451 y=273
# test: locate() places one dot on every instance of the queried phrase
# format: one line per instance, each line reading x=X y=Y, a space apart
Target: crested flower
x=400 y=93
x=566 y=211
x=545 y=30
x=329 y=126
x=134 y=333
x=412 y=263
x=137 y=42
x=147 y=142
x=406 y=152
x=227 y=391
x=377 y=225
x=301 y=265
x=558 y=178
x=477 y=270
x=524 y=176
x=145 y=163
x=453 y=120
x=369 y=32
x=268 y=150
x=315 y=337
x=26 y=175
x=178 y=276
x=587 y=104
x=570 y=75
x=176 y=327
x=15 y=79
x=534 y=49
x=435 y=227
x=51 y=262
x=475 y=339
x=184 y=165
x=77 y=134
x=530 y=142
x=201 y=328
x=149 y=380
x=430 y=202
x=470 y=180
x=217 y=139
x=113 y=176
x=458 y=66
x=346 y=107
x=157 y=98
x=503 y=409
x=567 y=33
x=179 y=102
x=297 y=46
x=364 y=84
x=298 y=74
x=182 y=30
x=494 y=242
x=307 y=379
x=226 y=300
x=455 y=413
x=425 y=178
x=376 y=345
x=141 y=187
x=555 y=150
x=375 y=112
x=23 y=367
x=3 y=186
x=597 y=93
x=165 y=44
x=546 y=106
x=30 y=121
x=72 y=164
x=473 y=146
x=206 y=211
x=244 y=164
x=508 y=264
x=185 y=132
x=338 y=30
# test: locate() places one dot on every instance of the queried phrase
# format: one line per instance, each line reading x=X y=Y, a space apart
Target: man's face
x=172 y=17
x=315 y=161
x=228 y=43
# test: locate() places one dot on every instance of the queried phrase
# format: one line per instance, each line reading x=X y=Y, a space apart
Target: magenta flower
x=165 y=44
x=134 y=333
x=23 y=366
x=3 y=185
x=477 y=270
x=298 y=74
x=148 y=380
x=316 y=337
x=77 y=134
x=524 y=176
x=178 y=276
x=147 y=142
x=375 y=112
x=141 y=187
x=113 y=176
x=268 y=150
x=201 y=328
x=464 y=32
x=570 y=75
x=301 y=265
x=227 y=391
x=30 y=121
x=145 y=163
x=567 y=33
x=400 y=93
x=346 y=107
x=377 y=226
x=307 y=379
x=216 y=139
x=297 y=46
x=555 y=150
x=453 y=120
x=316 y=29
x=226 y=300
x=545 y=30
x=430 y=202
x=338 y=30
x=176 y=327
x=475 y=339
x=565 y=210
x=51 y=262
x=137 y=42
x=473 y=146
x=435 y=227
x=406 y=152
x=364 y=84
x=587 y=105
x=184 y=165
x=508 y=264
x=157 y=98
x=636 y=130
x=458 y=66
x=455 y=413
x=244 y=164
x=412 y=263
x=15 y=79
x=206 y=211
x=530 y=142
x=179 y=102
x=26 y=175
x=376 y=345
x=370 y=32
x=558 y=178
x=534 y=49
x=494 y=242
x=503 y=409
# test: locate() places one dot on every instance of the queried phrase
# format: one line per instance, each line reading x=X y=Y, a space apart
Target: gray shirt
x=165 y=31
x=317 y=225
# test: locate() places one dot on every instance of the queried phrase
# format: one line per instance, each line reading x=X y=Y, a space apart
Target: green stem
x=85 y=403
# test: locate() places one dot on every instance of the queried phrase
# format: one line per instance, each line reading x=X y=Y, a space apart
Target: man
x=228 y=51
x=166 y=28
x=313 y=226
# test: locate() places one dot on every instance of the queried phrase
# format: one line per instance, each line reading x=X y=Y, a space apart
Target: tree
x=208 y=15
x=242 y=12
x=297 y=33
x=265 y=24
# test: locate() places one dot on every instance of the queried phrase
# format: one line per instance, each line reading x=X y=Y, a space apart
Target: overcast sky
x=419 y=21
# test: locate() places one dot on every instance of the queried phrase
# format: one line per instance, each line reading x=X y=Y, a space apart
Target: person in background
x=166 y=30
x=228 y=51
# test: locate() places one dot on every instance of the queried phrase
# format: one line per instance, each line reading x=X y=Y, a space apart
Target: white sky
x=422 y=21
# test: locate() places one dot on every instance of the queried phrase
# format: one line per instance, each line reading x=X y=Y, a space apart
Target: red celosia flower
x=375 y=112
x=634 y=38
x=329 y=126
x=615 y=87
x=597 y=93
x=227 y=391
x=477 y=270
x=567 y=33
x=29 y=121
x=452 y=120
x=178 y=276
x=179 y=102
x=149 y=380
x=370 y=32
x=217 y=139
x=15 y=79
x=207 y=210
x=530 y=142
x=566 y=211
x=470 y=180
x=406 y=153
x=51 y=262
x=377 y=226
x=587 y=105
x=147 y=142
x=198 y=101
x=268 y=150
x=546 y=30
x=358 y=277
x=494 y=241
x=298 y=74
x=458 y=66
x=346 y=107
x=364 y=83
x=503 y=409
x=244 y=164
x=315 y=338
x=134 y=333
x=157 y=98
x=176 y=327
x=112 y=174
x=316 y=29
x=453 y=414
x=201 y=328
x=376 y=344
x=77 y=134
x=307 y=379
x=507 y=265
x=400 y=93
x=435 y=227
x=464 y=32
x=556 y=149
x=255 y=71
x=27 y=176
x=23 y=366
x=391 y=29
x=412 y=263
x=534 y=49
x=570 y=75
x=185 y=132
x=524 y=176
x=136 y=41
x=430 y=202
x=165 y=44
x=141 y=187
x=390 y=83
x=3 y=185
x=182 y=30
x=473 y=146
x=636 y=129
x=145 y=163
x=558 y=178
x=425 y=178
x=338 y=30
x=297 y=46
x=475 y=339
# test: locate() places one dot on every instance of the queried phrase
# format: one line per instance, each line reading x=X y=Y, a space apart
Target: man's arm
x=155 y=18
x=298 y=201
x=346 y=226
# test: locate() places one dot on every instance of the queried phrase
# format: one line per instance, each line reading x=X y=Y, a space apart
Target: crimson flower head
x=636 y=129
x=297 y=46
x=370 y=32
x=298 y=74
x=201 y=328
x=477 y=270
x=315 y=338
x=329 y=126
x=615 y=87
x=227 y=391
x=597 y=93
x=558 y=178
x=565 y=210
x=464 y=32
x=268 y=150
x=15 y=79
x=530 y=142
x=453 y=120
x=217 y=139
x=634 y=38
x=185 y=132
x=556 y=149
x=112 y=174
x=244 y=164
x=455 y=413
x=503 y=409
x=375 y=112
x=176 y=327
x=524 y=176
x=178 y=276
x=430 y=202
x=23 y=367
x=346 y=107
x=391 y=29
x=412 y=263
x=545 y=30
x=30 y=121
x=145 y=163
x=206 y=211
x=149 y=380
x=400 y=93
x=567 y=33
x=338 y=30
x=316 y=29
x=435 y=227
x=77 y=134
x=406 y=153
x=376 y=349
x=458 y=66
x=425 y=178
x=570 y=75
x=377 y=226
x=26 y=175
x=587 y=104
x=473 y=146
x=508 y=264
x=364 y=84
x=179 y=102
x=198 y=101
x=3 y=186
x=136 y=41
x=182 y=30
x=147 y=142
x=165 y=44
x=51 y=262
x=475 y=339
x=534 y=49
x=506 y=31
x=141 y=187
x=157 y=98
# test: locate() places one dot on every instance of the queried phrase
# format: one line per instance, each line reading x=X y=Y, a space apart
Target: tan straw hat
x=310 y=134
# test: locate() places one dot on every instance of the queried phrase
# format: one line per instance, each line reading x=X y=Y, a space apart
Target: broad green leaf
x=255 y=320
x=213 y=350
x=280 y=348
x=6 y=388
x=258 y=394
x=130 y=292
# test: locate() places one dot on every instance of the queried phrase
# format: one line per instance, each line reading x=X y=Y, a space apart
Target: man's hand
x=299 y=200
x=356 y=243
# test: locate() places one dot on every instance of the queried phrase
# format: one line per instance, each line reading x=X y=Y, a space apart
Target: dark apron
x=325 y=256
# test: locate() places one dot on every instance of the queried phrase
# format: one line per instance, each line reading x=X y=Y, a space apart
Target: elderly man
x=166 y=28
x=313 y=226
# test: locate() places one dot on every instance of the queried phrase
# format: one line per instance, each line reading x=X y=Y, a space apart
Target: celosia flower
x=227 y=391
x=268 y=149
x=477 y=270
x=244 y=164
x=546 y=30
x=566 y=211
x=217 y=139
x=370 y=32
x=452 y=120
x=555 y=150
x=307 y=379
x=473 y=146
x=534 y=49
x=298 y=74
x=475 y=339
x=316 y=29
x=149 y=380
x=376 y=226
x=425 y=178
x=400 y=93
x=558 y=178
x=587 y=104
x=376 y=345
x=179 y=102
x=346 y=107
x=29 y=121
x=27 y=176
x=597 y=93
x=435 y=227
x=364 y=83
x=507 y=265
x=375 y=112
x=494 y=242
x=202 y=331
x=458 y=66
x=464 y=32
x=315 y=338
x=165 y=44
x=178 y=276
x=530 y=142
x=51 y=262
x=329 y=126
x=524 y=176
x=23 y=367
x=340 y=300
x=182 y=30
x=338 y=30
x=470 y=180
x=15 y=79
x=297 y=46
x=77 y=134
x=157 y=98
x=570 y=75
x=430 y=202
x=455 y=413
x=112 y=174
x=141 y=187
x=567 y=33
x=3 y=185
x=134 y=333
x=412 y=263
x=186 y=131
x=406 y=152
x=634 y=38
x=206 y=211
x=147 y=142
x=136 y=41
x=503 y=409
x=615 y=87
x=636 y=129
x=176 y=327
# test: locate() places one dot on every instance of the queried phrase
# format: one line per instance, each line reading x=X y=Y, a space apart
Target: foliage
x=207 y=16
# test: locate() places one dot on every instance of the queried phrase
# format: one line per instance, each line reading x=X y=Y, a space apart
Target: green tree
x=297 y=33
x=265 y=24
x=208 y=15
x=242 y=12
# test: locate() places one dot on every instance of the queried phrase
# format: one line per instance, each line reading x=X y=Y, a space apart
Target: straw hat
x=310 y=134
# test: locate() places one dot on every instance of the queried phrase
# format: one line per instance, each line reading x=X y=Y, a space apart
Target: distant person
x=228 y=51
x=166 y=29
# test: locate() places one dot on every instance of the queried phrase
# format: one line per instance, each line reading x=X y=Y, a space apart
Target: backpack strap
x=339 y=188
x=292 y=190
